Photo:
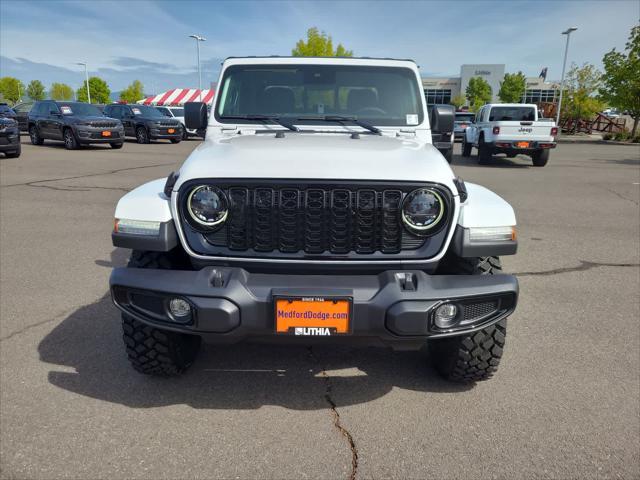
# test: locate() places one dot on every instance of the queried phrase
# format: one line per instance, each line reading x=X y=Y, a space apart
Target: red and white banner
x=179 y=96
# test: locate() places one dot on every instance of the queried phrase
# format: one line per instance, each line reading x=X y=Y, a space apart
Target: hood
x=90 y=118
x=317 y=156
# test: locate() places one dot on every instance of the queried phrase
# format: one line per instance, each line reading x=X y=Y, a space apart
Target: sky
x=148 y=40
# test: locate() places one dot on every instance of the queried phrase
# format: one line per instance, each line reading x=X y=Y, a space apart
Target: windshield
x=165 y=111
x=146 y=111
x=464 y=117
x=177 y=112
x=80 y=109
x=376 y=95
x=505 y=114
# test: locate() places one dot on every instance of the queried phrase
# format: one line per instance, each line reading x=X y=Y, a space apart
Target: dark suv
x=145 y=123
x=22 y=115
x=74 y=123
x=6 y=111
x=9 y=137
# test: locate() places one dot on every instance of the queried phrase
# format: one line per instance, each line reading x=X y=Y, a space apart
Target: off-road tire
x=116 y=146
x=70 y=141
x=151 y=350
x=142 y=136
x=34 y=135
x=484 y=153
x=540 y=158
x=466 y=147
x=475 y=356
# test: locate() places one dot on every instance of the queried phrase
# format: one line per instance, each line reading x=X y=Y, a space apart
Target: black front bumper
x=9 y=144
x=231 y=304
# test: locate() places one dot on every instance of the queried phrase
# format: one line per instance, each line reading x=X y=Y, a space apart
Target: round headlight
x=422 y=209
x=207 y=205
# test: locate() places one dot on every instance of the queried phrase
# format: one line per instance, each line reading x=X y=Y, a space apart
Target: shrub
x=622 y=136
x=607 y=136
x=636 y=139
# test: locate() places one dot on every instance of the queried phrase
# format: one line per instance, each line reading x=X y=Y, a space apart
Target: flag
x=543 y=74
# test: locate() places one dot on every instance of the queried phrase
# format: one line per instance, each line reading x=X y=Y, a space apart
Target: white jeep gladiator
x=316 y=210
x=510 y=128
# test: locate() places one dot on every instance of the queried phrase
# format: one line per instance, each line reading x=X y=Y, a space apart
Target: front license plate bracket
x=312 y=316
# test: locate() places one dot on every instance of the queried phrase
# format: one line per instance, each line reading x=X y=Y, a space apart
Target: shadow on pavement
x=88 y=347
x=495 y=162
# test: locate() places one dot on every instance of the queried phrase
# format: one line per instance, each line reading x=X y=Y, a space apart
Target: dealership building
x=443 y=89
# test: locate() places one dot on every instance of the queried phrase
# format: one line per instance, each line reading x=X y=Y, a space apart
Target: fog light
x=445 y=315
x=179 y=308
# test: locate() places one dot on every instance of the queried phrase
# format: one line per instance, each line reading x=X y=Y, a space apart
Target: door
x=55 y=121
x=43 y=121
x=128 y=121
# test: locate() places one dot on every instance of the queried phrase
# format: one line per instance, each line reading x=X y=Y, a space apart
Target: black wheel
x=141 y=135
x=15 y=153
x=540 y=158
x=116 y=146
x=70 y=142
x=185 y=134
x=466 y=147
x=484 y=152
x=34 y=134
x=475 y=356
x=175 y=140
x=151 y=350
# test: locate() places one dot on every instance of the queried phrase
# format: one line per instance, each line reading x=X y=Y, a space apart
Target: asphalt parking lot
x=564 y=404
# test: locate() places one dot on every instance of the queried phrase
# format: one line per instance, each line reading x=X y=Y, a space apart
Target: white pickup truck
x=510 y=128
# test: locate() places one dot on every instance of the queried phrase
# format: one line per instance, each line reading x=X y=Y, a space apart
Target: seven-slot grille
x=314 y=220
x=104 y=124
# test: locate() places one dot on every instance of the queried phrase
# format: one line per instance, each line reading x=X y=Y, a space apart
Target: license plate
x=522 y=144
x=172 y=130
x=313 y=316
x=106 y=133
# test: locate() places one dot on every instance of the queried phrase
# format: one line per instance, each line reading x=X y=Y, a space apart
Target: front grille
x=167 y=124
x=104 y=124
x=314 y=220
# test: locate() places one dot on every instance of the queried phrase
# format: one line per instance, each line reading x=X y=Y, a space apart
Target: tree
x=581 y=86
x=458 y=101
x=60 y=91
x=98 y=89
x=133 y=92
x=512 y=87
x=478 y=92
x=319 y=44
x=621 y=79
x=11 y=89
x=35 y=90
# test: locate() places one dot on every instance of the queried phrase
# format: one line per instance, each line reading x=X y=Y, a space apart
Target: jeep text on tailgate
x=316 y=208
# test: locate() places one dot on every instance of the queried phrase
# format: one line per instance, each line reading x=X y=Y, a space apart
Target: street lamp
x=86 y=76
x=199 y=39
x=567 y=32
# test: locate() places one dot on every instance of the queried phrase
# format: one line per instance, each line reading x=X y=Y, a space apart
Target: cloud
x=132 y=62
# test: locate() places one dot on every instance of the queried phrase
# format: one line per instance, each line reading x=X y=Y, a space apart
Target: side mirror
x=442 y=118
x=195 y=115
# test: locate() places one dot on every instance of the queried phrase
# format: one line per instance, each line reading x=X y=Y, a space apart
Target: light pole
x=86 y=76
x=199 y=39
x=567 y=32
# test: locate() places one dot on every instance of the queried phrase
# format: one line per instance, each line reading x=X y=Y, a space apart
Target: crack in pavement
x=336 y=416
x=78 y=188
x=35 y=325
x=621 y=196
x=109 y=172
x=584 y=265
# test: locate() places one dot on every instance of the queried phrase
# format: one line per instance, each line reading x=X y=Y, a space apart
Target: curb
x=597 y=141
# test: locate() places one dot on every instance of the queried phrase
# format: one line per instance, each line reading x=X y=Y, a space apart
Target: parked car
x=611 y=112
x=462 y=121
x=22 y=114
x=510 y=128
x=6 y=111
x=10 y=137
x=74 y=123
x=317 y=207
x=178 y=114
x=145 y=123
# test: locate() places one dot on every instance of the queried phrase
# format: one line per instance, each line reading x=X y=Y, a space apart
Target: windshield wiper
x=341 y=119
x=263 y=118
